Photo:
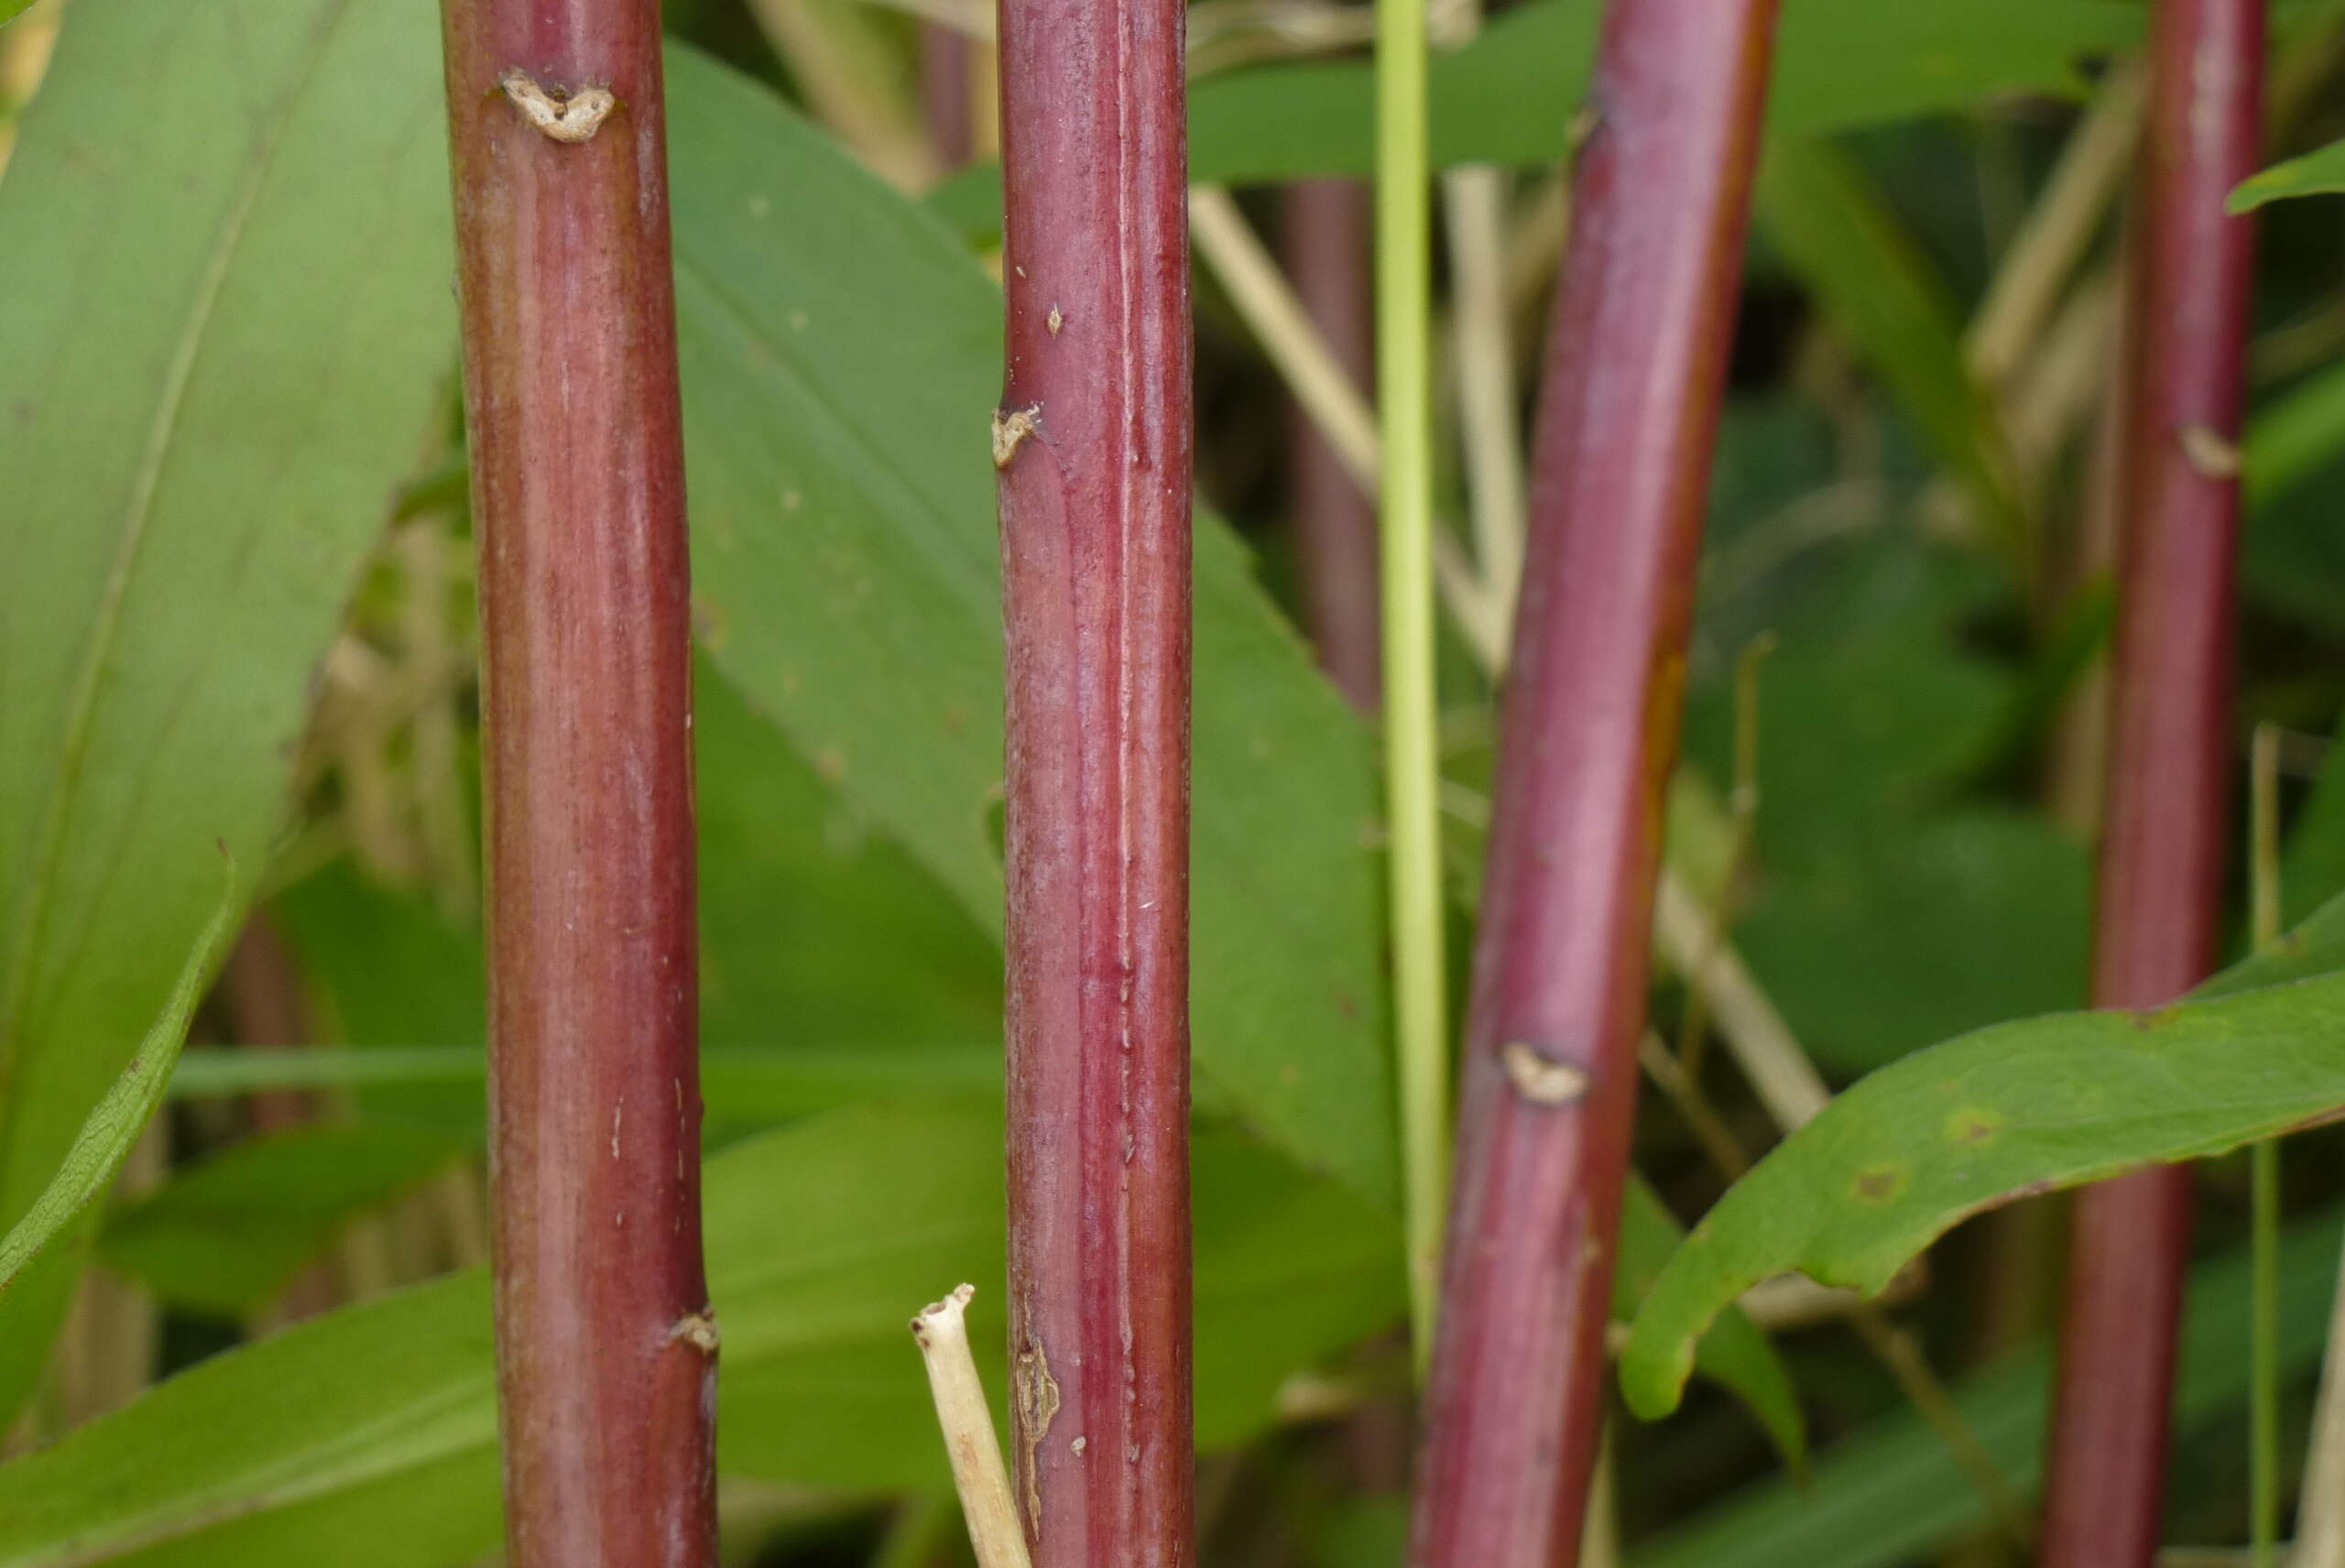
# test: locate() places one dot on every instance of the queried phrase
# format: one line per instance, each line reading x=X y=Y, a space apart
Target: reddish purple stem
x=947 y=55
x=1635 y=370
x=2165 y=811
x=605 y=1349
x=1093 y=444
x=1325 y=245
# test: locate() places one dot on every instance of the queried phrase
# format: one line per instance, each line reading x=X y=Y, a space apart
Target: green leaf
x=96 y=1155
x=816 y=928
x=2291 y=439
x=1734 y=1352
x=367 y=1436
x=841 y=359
x=1822 y=215
x=2318 y=173
x=1918 y=931
x=833 y=966
x=1890 y=1494
x=226 y=1234
x=1507 y=97
x=223 y=314
x=1886 y=908
x=2021 y=1108
x=744 y=1086
x=2312 y=869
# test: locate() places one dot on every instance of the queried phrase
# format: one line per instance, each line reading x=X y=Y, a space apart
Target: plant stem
x=1324 y=237
x=947 y=67
x=2161 y=857
x=605 y=1347
x=1092 y=441
x=967 y=1419
x=1304 y=359
x=2264 y=1343
x=2321 y=1517
x=1475 y=199
x=1411 y=744
x=1628 y=410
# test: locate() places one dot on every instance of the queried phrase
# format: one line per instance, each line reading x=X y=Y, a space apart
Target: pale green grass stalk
x=1404 y=400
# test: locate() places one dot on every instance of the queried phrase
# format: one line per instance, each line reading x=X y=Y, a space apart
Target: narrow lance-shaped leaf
x=1628 y=410
x=2318 y=173
x=835 y=339
x=2022 y=1108
x=227 y=1235
x=2165 y=811
x=223 y=322
x=559 y=160
x=1892 y=1493
x=367 y=1437
x=1092 y=445
x=95 y=1157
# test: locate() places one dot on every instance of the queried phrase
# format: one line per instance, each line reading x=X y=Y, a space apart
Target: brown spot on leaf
x=1877 y=1184
x=1973 y=1126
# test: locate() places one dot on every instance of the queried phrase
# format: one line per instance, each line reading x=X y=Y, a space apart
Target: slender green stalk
x=2263 y=1318
x=1411 y=759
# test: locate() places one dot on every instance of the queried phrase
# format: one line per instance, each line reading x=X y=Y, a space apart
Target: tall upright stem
x=1324 y=241
x=605 y=1349
x=1628 y=413
x=946 y=62
x=1092 y=440
x=1411 y=743
x=2164 y=808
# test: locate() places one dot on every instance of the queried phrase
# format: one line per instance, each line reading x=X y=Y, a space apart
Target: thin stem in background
x=1324 y=239
x=1473 y=198
x=853 y=78
x=2263 y=1164
x=1411 y=742
x=947 y=96
x=1092 y=444
x=2164 y=821
x=1315 y=376
x=606 y=1351
x=1629 y=412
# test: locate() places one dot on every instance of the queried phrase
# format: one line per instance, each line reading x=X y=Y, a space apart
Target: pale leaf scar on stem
x=565 y=116
x=1539 y=1080
x=1011 y=429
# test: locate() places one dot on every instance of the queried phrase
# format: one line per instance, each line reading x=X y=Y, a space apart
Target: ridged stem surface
x=2164 y=809
x=605 y=1351
x=1092 y=441
x=1628 y=412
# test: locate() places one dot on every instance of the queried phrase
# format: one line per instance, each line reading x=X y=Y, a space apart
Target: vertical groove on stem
x=1636 y=366
x=1324 y=238
x=606 y=1350
x=1411 y=744
x=2165 y=809
x=1093 y=441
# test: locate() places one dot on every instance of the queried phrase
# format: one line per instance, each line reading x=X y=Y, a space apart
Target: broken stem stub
x=979 y=1474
